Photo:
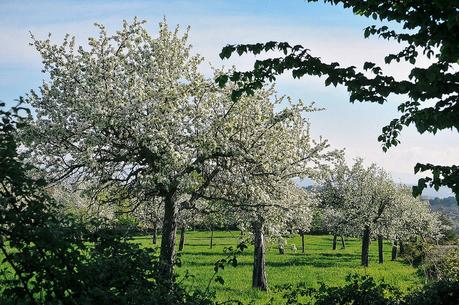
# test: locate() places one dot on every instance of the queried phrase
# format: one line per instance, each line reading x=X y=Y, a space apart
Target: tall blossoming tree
x=132 y=116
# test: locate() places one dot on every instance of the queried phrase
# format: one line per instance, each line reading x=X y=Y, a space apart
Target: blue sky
x=330 y=32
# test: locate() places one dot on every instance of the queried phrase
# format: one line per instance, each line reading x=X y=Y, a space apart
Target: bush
x=442 y=263
x=415 y=252
x=364 y=290
x=357 y=290
x=442 y=292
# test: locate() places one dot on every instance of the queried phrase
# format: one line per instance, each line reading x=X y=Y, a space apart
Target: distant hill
x=449 y=202
x=442 y=192
x=447 y=206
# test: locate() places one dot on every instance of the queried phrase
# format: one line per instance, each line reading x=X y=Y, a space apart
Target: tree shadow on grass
x=216 y=254
x=214 y=237
x=210 y=264
x=318 y=261
x=323 y=260
x=208 y=245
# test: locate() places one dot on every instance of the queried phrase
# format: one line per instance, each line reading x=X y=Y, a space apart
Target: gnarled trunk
x=154 y=238
x=394 y=250
x=334 y=241
x=380 y=249
x=259 y=280
x=365 y=246
x=182 y=239
x=167 y=252
x=343 y=245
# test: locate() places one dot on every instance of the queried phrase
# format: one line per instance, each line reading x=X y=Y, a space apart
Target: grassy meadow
x=318 y=264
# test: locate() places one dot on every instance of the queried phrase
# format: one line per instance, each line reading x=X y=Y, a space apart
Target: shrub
x=442 y=263
x=443 y=292
x=415 y=252
x=357 y=290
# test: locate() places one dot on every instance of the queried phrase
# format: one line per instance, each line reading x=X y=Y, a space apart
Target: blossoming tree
x=258 y=185
x=132 y=116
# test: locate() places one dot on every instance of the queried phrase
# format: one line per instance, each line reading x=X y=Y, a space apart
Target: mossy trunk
x=259 y=280
x=365 y=246
x=343 y=244
x=334 y=242
x=380 y=249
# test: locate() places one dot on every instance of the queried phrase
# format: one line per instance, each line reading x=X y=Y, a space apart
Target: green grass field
x=318 y=264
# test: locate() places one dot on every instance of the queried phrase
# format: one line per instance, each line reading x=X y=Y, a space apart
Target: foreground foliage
x=365 y=290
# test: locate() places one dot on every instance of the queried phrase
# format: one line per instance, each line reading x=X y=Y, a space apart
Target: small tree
x=358 y=198
x=333 y=195
x=302 y=212
x=150 y=216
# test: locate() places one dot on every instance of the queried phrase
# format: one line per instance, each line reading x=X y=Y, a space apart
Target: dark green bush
x=357 y=290
x=443 y=292
x=364 y=290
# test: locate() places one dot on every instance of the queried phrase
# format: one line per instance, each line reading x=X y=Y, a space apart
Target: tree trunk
x=365 y=246
x=182 y=239
x=281 y=250
x=394 y=250
x=402 y=247
x=380 y=249
x=155 y=234
x=167 y=252
x=211 y=237
x=259 y=280
x=343 y=245
x=334 y=241
x=302 y=242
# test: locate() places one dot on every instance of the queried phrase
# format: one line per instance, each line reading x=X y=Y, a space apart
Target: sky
x=330 y=32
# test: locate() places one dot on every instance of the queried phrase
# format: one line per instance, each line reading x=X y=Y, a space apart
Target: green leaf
x=227 y=51
x=368 y=65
